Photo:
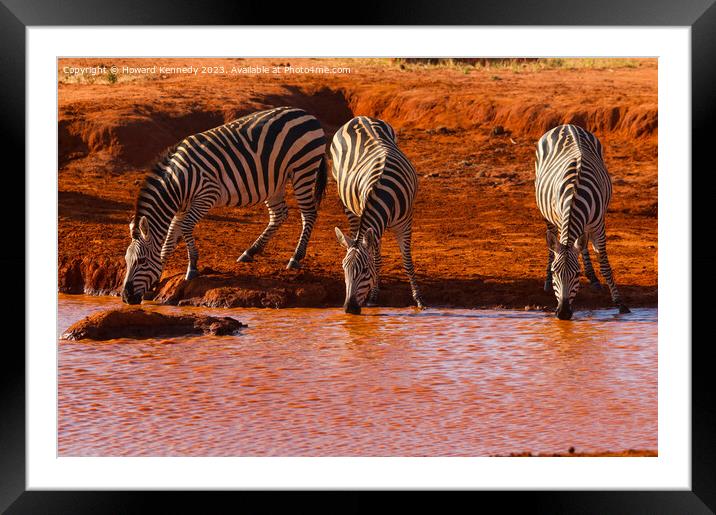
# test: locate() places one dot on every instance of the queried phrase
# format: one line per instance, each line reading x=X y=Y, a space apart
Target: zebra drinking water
x=241 y=163
x=377 y=185
x=573 y=191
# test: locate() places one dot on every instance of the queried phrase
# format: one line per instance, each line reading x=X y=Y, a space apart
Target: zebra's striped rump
x=241 y=163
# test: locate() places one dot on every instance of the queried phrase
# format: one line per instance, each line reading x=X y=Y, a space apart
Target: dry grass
x=515 y=65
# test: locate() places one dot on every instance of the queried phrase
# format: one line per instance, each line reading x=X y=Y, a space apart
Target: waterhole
x=391 y=382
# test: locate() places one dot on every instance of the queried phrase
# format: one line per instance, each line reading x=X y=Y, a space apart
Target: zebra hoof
x=245 y=258
x=624 y=310
x=420 y=304
x=596 y=286
x=191 y=274
x=293 y=265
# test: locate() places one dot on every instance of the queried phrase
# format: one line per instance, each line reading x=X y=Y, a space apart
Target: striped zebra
x=573 y=191
x=377 y=185
x=241 y=163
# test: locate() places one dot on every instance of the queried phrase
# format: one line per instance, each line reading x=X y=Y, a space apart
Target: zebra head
x=359 y=268
x=143 y=262
x=565 y=276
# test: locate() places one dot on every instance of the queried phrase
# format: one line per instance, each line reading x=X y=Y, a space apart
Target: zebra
x=244 y=162
x=573 y=191
x=377 y=186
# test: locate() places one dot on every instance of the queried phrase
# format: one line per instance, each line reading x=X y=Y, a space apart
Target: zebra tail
x=319 y=187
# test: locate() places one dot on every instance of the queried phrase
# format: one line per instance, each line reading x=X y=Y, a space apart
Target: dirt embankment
x=478 y=237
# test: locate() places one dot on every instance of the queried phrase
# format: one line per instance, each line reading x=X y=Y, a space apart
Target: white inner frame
x=670 y=470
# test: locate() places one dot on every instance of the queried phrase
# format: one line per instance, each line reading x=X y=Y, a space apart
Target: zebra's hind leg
x=278 y=212
x=309 y=213
x=551 y=236
x=404 y=234
x=373 y=295
x=599 y=243
x=588 y=268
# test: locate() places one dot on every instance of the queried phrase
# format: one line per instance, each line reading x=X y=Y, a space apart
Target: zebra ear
x=552 y=241
x=342 y=239
x=144 y=227
x=369 y=238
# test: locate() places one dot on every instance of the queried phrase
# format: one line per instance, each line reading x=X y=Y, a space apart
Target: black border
x=16 y=15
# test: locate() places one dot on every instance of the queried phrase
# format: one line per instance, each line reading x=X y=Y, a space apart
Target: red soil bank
x=478 y=236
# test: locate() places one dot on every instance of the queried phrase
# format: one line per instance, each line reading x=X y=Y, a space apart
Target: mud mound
x=138 y=323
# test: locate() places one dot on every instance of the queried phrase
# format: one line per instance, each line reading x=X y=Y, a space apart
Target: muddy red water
x=393 y=382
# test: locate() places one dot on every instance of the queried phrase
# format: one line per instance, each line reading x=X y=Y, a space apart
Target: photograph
x=357 y=256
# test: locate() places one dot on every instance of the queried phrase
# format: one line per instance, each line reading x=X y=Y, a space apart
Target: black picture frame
x=17 y=15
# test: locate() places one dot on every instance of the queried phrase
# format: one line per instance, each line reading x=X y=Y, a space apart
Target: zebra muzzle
x=564 y=312
x=129 y=297
x=351 y=306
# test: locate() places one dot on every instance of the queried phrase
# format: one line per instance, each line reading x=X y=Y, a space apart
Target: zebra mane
x=157 y=170
x=164 y=158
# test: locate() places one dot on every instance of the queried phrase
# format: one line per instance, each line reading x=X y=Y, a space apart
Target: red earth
x=469 y=129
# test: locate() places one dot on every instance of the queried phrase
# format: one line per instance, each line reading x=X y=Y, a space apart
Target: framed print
x=349 y=257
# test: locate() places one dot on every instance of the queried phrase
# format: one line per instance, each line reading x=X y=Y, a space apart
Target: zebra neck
x=570 y=230
x=370 y=222
x=159 y=211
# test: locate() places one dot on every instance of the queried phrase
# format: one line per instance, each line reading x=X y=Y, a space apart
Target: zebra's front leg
x=599 y=244
x=278 y=212
x=307 y=205
x=404 y=235
x=172 y=239
x=551 y=236
x=373 y=295
x=588 y=268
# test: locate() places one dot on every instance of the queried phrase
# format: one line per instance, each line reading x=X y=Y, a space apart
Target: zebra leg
x=278 y=212
x=404 y=234
x=599 y=243
x=588 y=268
x=551 y=234
x=172 y=238
x=373 y=295
x=309 y=213
x=188 y=221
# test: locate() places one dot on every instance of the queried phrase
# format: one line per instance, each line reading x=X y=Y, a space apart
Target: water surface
x=392 y=382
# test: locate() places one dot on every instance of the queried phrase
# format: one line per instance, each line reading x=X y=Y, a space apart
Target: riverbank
x=470 y=131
